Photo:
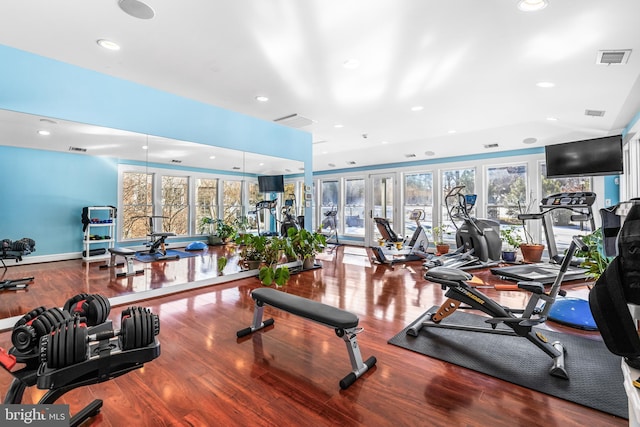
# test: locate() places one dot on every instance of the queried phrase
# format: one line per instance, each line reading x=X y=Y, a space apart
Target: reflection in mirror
x=184 y=176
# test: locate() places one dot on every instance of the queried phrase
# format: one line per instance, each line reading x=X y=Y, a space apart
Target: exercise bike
x=397 y=249
x=521 y=321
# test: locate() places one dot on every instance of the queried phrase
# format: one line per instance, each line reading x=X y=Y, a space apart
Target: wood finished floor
x=288 y=375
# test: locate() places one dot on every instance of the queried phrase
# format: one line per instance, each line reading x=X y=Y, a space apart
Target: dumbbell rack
x=106 y=360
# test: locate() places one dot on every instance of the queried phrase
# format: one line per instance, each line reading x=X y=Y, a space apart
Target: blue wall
x=42 y=194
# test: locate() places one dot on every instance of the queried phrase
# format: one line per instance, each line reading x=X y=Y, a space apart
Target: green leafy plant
x=594 y=261
x=217 y=227
x=222 y=263
x=438 y=232
x=272 y=274
x=511 y=237
x=306 y=244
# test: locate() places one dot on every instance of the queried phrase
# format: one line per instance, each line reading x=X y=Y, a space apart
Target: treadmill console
x=580 y=199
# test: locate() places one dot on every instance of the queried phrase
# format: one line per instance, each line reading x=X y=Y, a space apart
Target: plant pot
x=215 y=240
x=442 y=248
x=531 y=253
x=251 y=265
x=509 y=256
x=308 y=263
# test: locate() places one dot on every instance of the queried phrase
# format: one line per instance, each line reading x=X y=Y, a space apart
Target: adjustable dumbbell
x=93 y=308
x=67 y=344
x=35 y=324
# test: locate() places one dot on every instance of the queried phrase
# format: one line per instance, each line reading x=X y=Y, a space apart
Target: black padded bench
x=344 y=323
x=128 y=255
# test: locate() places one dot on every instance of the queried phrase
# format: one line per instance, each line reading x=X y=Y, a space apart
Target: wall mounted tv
x=589 y=157
x=271 y=184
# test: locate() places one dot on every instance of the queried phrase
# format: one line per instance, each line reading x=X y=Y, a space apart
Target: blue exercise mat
x=145 y=257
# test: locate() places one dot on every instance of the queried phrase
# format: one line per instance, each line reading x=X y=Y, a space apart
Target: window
x=563 y=227
x=330 y=192
x=450 y=179
x=231 y=201
x=250 y=212
x=506 y=193
x=175 y=205
x=206 y=201
x=354 y=206
x=418 y=197
x=137 y=204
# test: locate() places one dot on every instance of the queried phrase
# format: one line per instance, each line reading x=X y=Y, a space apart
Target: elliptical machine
x=478 y=242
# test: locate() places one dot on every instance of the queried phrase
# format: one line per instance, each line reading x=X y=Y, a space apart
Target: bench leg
x=359 y=367
x=257 y=321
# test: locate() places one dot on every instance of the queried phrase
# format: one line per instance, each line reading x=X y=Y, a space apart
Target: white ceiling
x=472 y=65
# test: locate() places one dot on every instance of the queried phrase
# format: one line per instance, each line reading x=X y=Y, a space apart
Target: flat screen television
x=271 y=184
x=589 y=157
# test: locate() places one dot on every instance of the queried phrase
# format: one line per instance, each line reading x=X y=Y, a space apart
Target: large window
x=330 y=192
x=206 y=201
x=137 y=204
x=451 y=179
x=231 y=201
x=563 y=227
x=418 y=199
x=175 y=205
x=506 y=193
x=354 y=206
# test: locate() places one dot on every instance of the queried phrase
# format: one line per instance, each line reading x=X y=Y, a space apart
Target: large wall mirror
x=59 y=166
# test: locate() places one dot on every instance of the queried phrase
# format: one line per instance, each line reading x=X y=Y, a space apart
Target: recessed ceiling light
x=136 y=8
x=529 y=140
x=384 y=142
x=108 y=44
x=429 y=153
x=545 y=84
x=552 y=119
x=532 y=5
x=338 y=126
x=262 y=98
x=351 y=63
x=417 y=108
x=452 y=131
x=44 y=132
x=332 y=165
x=212 y=157
x=145 y=147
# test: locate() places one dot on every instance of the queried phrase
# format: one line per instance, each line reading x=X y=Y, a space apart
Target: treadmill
x=580 y=203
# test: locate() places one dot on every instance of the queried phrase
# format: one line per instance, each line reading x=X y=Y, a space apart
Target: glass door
x=381 y=205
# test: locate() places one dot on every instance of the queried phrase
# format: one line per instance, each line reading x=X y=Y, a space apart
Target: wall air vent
x=294 y=121
x=410 y=155
x=176 y=161
x=351 y=162
x=236 y=168
x=594 y=113
x=78 y=149
x=613 y=57
x=494 y=145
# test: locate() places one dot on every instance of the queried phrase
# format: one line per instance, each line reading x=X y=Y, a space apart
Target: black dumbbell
x=67 y=344
x=35 y=324
x=93 y=308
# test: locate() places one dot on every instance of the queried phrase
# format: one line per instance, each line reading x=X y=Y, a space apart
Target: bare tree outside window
x=137 y=204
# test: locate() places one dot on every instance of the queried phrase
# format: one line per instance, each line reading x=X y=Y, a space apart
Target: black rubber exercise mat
x=145 y=257
x=595 y=375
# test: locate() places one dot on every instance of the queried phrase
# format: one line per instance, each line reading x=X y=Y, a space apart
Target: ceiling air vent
x=78 y=149
x=176 y=161
x=294 y=121
x=594 y=113
x=494 y=145
x=410 y=155
x=613 y=57
x=351 y=162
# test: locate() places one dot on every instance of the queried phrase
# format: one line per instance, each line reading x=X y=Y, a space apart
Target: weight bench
x=344 y=323
x=128 y=255
x=15 y=250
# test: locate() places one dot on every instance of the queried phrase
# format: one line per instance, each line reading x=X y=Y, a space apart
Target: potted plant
x=437 y=233
x=512 y=240
x=271 y=271
x=306 y=245
x=219 y=231
x=593 y=259
x=222 y=263
x=252 y=248
x=531 y=251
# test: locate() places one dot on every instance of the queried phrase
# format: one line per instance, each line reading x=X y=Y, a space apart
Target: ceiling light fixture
x=529 y=140
x=44 y=132
x=261 y=98
x=136 y=8
x=429 y=153
x=145 y=147
x=338 y=126
x=552 y=119
x=545 y=84
x=212 y=157
x=108 y=44
x=417 y=108
x=452 y=131
x=532 y=5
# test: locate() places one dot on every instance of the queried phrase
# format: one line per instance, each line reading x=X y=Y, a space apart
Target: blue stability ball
x=573 y=312
x=196 y=246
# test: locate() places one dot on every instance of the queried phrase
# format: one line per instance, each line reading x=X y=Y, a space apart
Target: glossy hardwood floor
x=288 y=374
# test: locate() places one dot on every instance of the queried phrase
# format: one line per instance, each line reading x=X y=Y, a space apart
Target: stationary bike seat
x=447 y=273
